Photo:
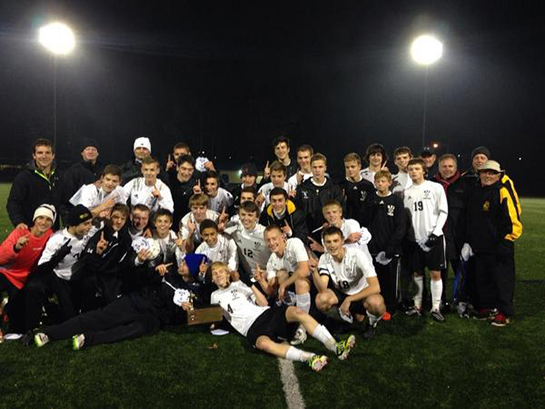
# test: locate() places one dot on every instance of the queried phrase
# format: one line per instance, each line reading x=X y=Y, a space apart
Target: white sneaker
x=12 y=336
x=300 y=336
x=40 y=339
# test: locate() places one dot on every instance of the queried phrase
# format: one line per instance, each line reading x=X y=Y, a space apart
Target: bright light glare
x=426 y=50
x=435 y=145
x=57 y=38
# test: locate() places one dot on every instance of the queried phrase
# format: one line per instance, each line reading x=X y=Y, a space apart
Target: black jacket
x=293 y=216
x=77 y=175
x=357 y=195
x=181 y=192
x=30 y=189
x=311 y=198
x=388 y=224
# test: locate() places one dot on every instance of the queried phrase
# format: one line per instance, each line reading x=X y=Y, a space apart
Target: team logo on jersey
x=234 y=293
x=305 y=195
x=427 y=194
x=363 y=196
x=390 y=211
x=486 y=206
x=257 y=245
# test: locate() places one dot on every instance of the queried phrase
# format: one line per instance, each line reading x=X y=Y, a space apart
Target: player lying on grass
x=247 y=311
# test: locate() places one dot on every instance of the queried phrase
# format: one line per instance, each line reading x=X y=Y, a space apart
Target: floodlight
x=426 y=50
x=57 y=38
x=435 y=145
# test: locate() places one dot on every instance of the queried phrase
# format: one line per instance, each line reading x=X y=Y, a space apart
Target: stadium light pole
x=426 y=50
x=60 y=41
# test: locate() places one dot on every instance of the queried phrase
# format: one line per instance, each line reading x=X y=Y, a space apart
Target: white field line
x=290 y=383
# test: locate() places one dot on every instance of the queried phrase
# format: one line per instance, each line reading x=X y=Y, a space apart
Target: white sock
x=373 y=319
x=419 y=282
x=295 y=354
x=303 y=301
x=322 y=334
x=436 y=291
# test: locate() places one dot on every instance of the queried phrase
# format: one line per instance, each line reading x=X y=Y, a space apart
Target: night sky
x=226 y=78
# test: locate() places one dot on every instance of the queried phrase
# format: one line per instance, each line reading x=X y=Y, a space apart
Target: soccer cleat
x=500 y=320
x=485 y=314
x=344 y=347
x=300 y=336
x=369 y=331
x=78 y=341
x=414 y=311
x=437 y=316
x=317 y=362
x=40 y=339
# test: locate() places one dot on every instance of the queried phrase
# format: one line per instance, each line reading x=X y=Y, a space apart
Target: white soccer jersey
x=222 y=199
x=350 y=275
x=265 y=190
x=184 y=230
x=168 y=247
x=368 y=174
x=400 y=182
x=292 y=181
x=294 y=253
x=238 y=306
x=91 y=196
x=225 y=251
x=139 y=193
x=428 y=205
x=350 y=226
x=251 y=245
x=64 y=268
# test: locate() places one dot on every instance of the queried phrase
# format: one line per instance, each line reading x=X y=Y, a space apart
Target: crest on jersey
x=363 y=196
x=234 y=293
x=486 y=206
x=390 y=210
x=305 y=195
x=427 y=194
x=257 y=245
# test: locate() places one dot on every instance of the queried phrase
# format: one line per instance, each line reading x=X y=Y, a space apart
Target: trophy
x=206 y=315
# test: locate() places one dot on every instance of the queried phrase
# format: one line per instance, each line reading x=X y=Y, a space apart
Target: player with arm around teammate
x=346 y=279
x=247 y=311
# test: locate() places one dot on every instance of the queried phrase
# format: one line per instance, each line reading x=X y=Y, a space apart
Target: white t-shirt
x=251 y=245
x=90 y=196
x=140 y=193
x=294 y=253
x=350 y=226
x=237 y=303
x=292 y=181
x=64 y=268
x=350 y=275
x=368 y=174
x=428 y=205
x=265 y=190
x=400 y=182
x=184 y=230
x=222 y=199
x=225 y=251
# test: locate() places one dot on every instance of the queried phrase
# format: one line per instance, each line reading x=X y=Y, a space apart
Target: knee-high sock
x=419 y=282
x=303 y=301
x=436 y=291
x=295 y=354
x=322 y=334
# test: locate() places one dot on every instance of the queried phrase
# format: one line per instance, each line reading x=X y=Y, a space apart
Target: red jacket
x=17 y=266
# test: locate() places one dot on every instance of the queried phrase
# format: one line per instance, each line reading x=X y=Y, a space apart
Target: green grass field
x=411 y=362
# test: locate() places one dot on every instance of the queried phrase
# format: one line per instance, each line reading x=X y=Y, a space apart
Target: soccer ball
x=142 y=243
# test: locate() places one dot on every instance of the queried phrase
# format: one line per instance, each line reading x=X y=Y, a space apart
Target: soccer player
x=133 y=168
x=287 y=266
x=278 y=180
x=493 y=225
x=283 y=213
x=178 y=150
x=401 y=180
x=281 y=145
x=220 y=198
x=181 y=186
x=102 y=196
x=248 y=176
x=304 y=153
x=388 y=229
x=376 y=157
x=139 y=221
x=190 y=224
x=427 y=203
x=148 y=189
x=216 y=246
x=356 y=189
x=347 y=283
x=248 y=236
x=315 y=192
x=34 y=185
x=247 y=311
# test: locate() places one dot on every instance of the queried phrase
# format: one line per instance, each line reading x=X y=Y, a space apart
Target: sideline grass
x=411 y=363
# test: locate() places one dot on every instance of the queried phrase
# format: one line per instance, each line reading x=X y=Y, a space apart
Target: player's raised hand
x=22 y=241
x=259 y=273
x=313 y=263
x=209 y=165
x=267 y=171
x=170 y=163
x=384 y=166
x=155 y=192
x=354 y=237
x=197 y=189
x=315 y=246
x=143 y=255
x=259 y=199
x=203 y=267
x=148 y=233
x=102 y=244
x=191 y=226
x=162 y=269
x=179 y=242
x=286 y=229
x=292 y=192
x=299 y=177
x=22 y=226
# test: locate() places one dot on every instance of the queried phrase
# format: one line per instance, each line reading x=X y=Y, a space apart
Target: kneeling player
x=247 y=311
x=355 y=284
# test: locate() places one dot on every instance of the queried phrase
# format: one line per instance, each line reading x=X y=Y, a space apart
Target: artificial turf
x=413 y=362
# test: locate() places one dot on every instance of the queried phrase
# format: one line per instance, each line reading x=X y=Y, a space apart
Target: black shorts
x=356 y=307
x=433 y=260
x=273 y=324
